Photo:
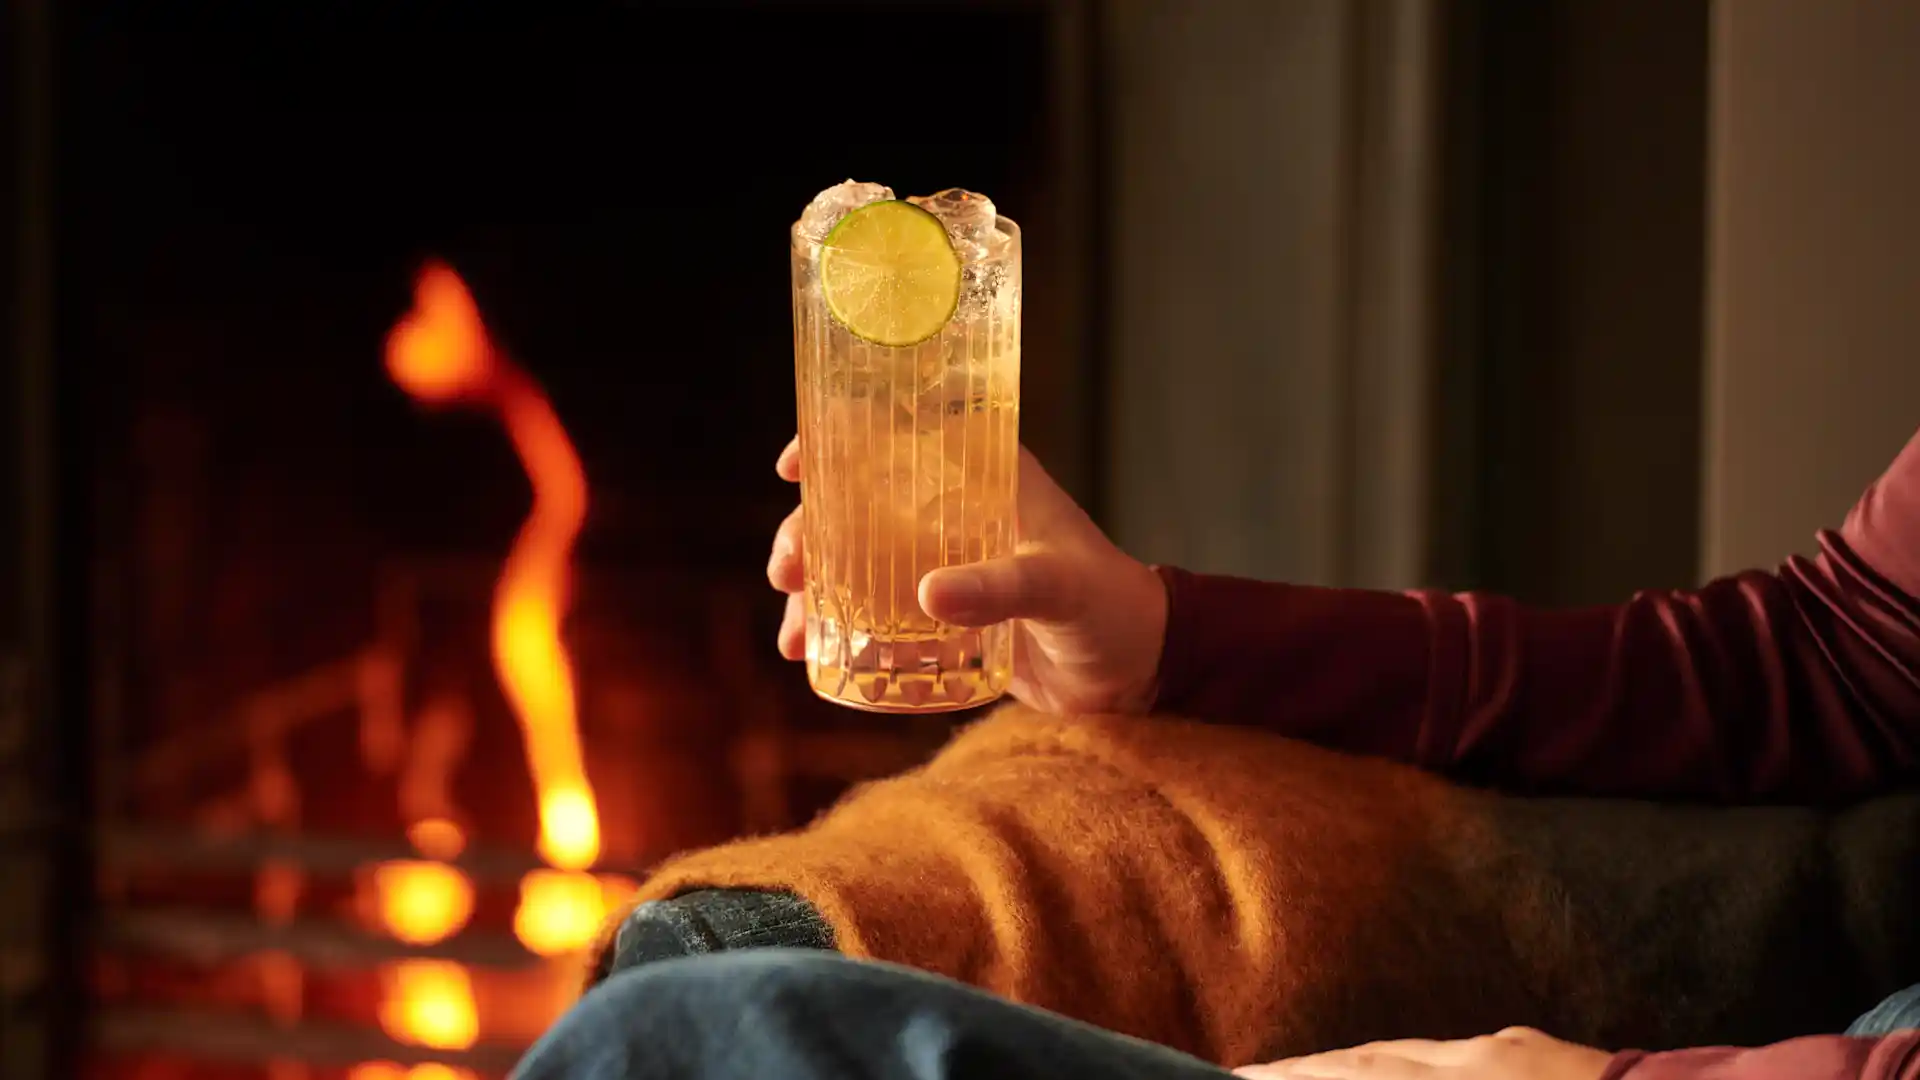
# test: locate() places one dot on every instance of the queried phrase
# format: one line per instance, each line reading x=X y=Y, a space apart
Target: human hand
x=1092 y=619
x=1513 y=1054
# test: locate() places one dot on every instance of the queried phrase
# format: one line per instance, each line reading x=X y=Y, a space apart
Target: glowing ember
x=433 y=1070
x=441 y=352
x=560 y=911
x=429 y=1003
x=422 y=902
x=426 y=1070
x=437 y=838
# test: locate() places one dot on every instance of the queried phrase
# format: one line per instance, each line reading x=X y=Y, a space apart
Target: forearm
x=1799 y=684
x=1345 y=668
x=1803 y=683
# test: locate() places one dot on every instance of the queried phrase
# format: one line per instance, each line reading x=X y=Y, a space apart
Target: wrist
x=1146 y=608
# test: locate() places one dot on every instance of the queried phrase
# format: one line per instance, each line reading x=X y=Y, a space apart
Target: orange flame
x=429 y=1003
x=426 y=1070
x=422 y=902
x=437 y=838
x=532 y=596
x=440 y=352
x=561 y=911
x=434 y=1070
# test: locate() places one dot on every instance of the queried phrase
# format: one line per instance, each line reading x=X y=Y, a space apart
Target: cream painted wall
x=1813 y=370
x=1267 y=294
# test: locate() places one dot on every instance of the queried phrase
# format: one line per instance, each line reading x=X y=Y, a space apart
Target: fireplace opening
x=328 y=840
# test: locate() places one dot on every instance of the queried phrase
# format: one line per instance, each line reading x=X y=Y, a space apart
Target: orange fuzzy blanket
x=1241 y=896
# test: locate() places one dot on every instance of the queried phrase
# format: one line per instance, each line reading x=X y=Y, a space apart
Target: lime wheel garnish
x=889 y=273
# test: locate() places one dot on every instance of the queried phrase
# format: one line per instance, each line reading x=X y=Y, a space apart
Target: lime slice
x=889 y=274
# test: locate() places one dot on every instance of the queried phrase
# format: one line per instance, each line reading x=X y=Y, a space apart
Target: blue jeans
x=1902 y=1010
x=762 y=1014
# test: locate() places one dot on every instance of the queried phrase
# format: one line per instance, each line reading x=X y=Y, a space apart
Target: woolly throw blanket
x=1241 y=896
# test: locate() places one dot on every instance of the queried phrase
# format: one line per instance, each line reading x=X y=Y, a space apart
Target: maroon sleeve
x=1803 y=683
x=1820 y=1057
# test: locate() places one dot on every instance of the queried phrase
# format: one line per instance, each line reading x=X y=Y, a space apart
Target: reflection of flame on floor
x=440 y=353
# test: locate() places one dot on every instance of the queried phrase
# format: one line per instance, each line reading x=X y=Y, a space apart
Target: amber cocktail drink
x=906 y=342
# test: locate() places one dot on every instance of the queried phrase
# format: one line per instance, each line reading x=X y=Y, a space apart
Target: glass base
x=941 y=671
x=901 y=709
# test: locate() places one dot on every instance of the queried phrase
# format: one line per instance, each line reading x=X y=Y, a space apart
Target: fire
x=434 y=1070
x=560 y=911
x=563 y=911
x=440 y=352
x=426 y=1070
x=430 y=1003
x=424 y=1002
x=422 y=902
x=437 y=838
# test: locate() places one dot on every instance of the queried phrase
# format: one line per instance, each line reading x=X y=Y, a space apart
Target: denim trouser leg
x=781 y=1014
x=785 y=1014
x=1902 y=1010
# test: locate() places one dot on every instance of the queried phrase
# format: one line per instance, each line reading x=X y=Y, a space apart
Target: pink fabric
x=1820 y=1057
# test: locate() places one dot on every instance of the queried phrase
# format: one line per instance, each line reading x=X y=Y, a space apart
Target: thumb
x=1032 y=585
